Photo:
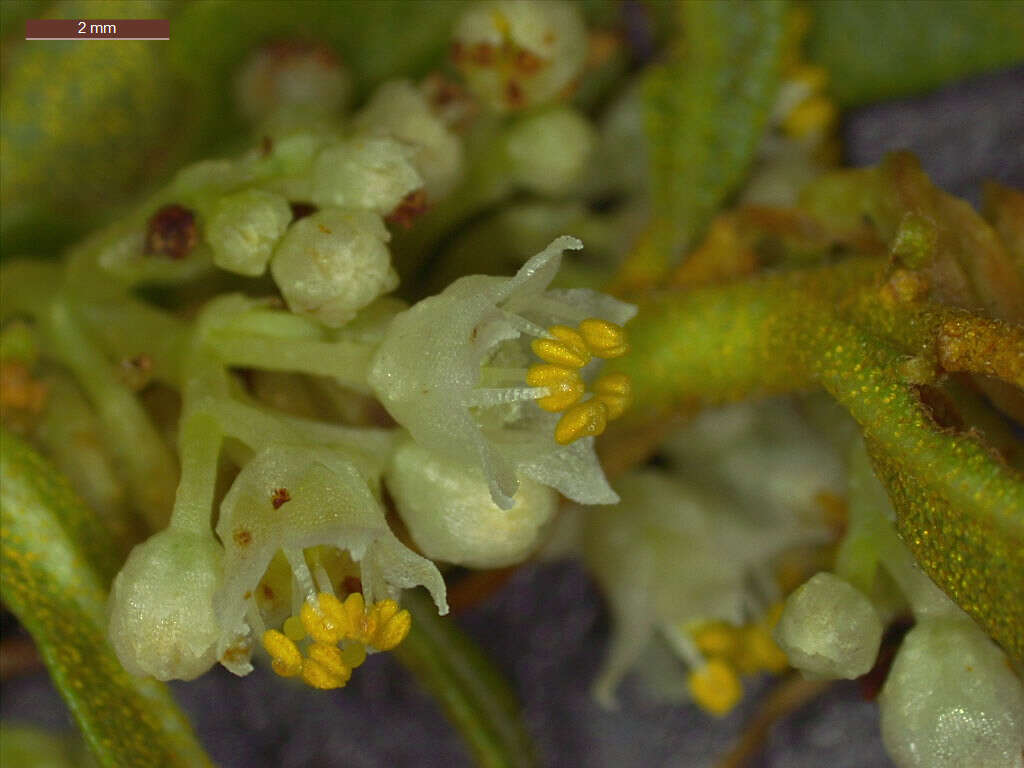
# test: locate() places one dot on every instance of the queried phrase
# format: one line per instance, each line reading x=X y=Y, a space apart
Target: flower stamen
x=604 y=339
x=285 y=655
x=583 y=420
x=566 y=347
x=329 y=622
x=565 y=352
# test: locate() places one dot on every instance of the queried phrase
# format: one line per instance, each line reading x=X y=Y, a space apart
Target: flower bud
x=292 y=74
x=548 y=153
x=400 y=110
x=520 y=54
x=446 y=505
x=243 y=229
x=830 y=629
x=952 y=700
x=369 y=173
x=333 y=263
x=161 y=619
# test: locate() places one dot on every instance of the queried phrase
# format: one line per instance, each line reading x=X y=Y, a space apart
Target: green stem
x=132 y=438
x=346 y=361
x=959 y=509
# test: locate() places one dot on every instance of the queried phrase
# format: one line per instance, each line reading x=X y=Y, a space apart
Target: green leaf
x=879 y=49
x=471 y=691
x=83 y=124
x=27 y=745
x=705 y=112
x=56 y=563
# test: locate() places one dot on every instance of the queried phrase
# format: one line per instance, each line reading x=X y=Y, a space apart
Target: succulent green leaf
x=876 y=49
x=56 y=564
x=706 y=109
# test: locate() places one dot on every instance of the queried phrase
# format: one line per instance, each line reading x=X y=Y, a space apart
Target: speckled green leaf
x=56 y=561
x=82 y=124
x=879 y=49
x=706 y=109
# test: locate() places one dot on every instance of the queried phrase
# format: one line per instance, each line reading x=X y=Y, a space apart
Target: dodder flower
x=451 y=370
x=314 y=507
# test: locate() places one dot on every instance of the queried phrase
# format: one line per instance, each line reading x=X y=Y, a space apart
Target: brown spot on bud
x=279 y=497
x=266 y=146
x=19 y=390
x=526 y=62
x=247 y=595
x=235 y=653
x=242 y=537
x=514 y=94
x=171 y=232
x=323 y=229
x=482 y=54
x=286 y=50
x=410 y=207
x=267 y=592
x=302 y=210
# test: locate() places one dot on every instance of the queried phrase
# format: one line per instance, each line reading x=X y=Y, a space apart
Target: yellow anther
x=814 y=77
x=582 y=420
x=715 y=687
x=355 y=618
x=324 y=668
x=717 y=639
x=565 y=385
x=293 y=628
x=392 y=625
x=615 y=391
x=322 y=621
x=814 y=115
x=604 y=339
x=567 y=347
x=760 y=652
x=353 y=654
x=287 y=661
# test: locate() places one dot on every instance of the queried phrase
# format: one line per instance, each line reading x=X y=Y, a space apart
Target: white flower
x=522 y=53
x=314 y=507
x=830 y=629
x=400 y=110
x=447 y=507
x=333 y=263
x=364 y=172
x=952 y=700
x=243 y=229
x=161 y=620
x=451 y=370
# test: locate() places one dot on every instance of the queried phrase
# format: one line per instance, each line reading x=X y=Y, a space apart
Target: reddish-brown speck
x=171 y=232
x=302 y=210
x=242 y=537
x=279 y=497
x=411 y=206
